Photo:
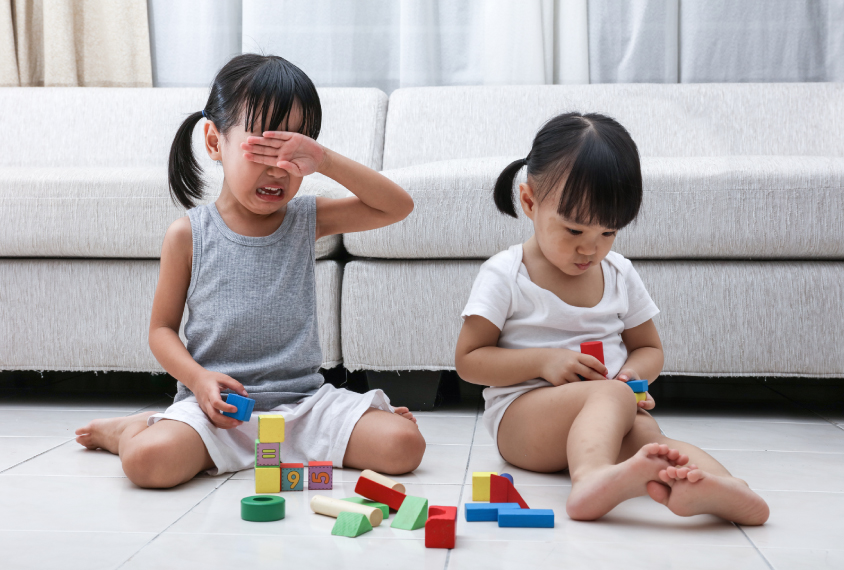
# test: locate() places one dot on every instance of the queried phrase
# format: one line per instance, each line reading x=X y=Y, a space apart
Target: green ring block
x=412 y=514
x=351 y=525
x=366 y=502
x=262 y=508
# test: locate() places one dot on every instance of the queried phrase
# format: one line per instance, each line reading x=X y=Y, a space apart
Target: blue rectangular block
x=526 y=518
x=244 y=407
x=638 y=385
x=486 y=511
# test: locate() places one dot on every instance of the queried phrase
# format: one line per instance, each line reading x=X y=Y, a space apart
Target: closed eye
x=578 y=232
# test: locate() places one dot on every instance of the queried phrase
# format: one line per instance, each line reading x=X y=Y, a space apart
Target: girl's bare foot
x=405 y=413
x=599 y=491
x=105 y=433
x=691 y=491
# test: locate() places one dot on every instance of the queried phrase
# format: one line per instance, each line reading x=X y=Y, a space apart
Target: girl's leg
x=159 y=456
x=704 y=486
x=581 y=426
x=385 y=442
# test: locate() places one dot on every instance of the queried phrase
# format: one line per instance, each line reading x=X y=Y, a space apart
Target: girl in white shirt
x=548 y=406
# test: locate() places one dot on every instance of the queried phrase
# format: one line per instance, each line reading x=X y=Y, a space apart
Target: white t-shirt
x=532 y=317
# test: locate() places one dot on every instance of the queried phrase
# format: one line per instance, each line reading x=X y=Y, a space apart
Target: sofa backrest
x=429 y=124
x=92 y=127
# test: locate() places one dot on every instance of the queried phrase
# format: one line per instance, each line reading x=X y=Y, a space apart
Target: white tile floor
x=64 y=507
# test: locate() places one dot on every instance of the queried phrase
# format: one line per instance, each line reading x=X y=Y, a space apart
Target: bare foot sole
x=689 y=491
x=601 y=490
x=105 y=433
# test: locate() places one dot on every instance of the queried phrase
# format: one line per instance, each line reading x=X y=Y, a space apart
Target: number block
x=351 y=524
x=477 y=512
x=244 y=407
x=320 y=475
x=266 y=454
x=526 y=518
x=441 y=527
x=292 y=477
x=480 y=485
x=271 y=428
x=412 y=514
x=501 y=490
x=267 y=479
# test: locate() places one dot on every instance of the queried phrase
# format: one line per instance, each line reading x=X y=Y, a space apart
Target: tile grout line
x=211 y=492
x=756 y=548
x=37 y=455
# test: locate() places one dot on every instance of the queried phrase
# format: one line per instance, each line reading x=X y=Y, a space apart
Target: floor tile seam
x=799 y=404
x=817 y=422
x=755 y=547
x=3 y=471
x=580 y=540
x=773 y=450
x=65 y=410
x=318 y=535
x=153 y=539
x=800 y=548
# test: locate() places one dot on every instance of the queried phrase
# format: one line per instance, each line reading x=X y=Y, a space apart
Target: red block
x=501 y=490
x=594 y=348
x=379 y=493
x=440 y=527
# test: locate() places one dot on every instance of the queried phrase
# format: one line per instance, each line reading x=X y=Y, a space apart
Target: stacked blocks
x=244 y=407
x=351 y=525
x=292 y=476
x=267 y=453
x=412 y=514
x=376 y=487
x=507 y=507
x=477 y=512
x=501 y=490
x=440 y=527
x=320 y=475
x=480 y=485
x=640 y=388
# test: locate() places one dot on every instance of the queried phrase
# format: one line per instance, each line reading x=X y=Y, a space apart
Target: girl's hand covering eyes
x=563 y=366
x=294 y=152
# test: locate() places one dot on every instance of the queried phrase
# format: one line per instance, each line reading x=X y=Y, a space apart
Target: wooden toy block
x=641 y=396
x=593 y=348
x=412 y=514
x=292 y=477
x=267 y=454
x=501 y=490
x=320 y=475
x=351 y=524
x=476 y=512
x=271 y=428
x=377 y=492
x=366 y=502
x=386 y=481
x=267 y=479
x=638 y=385
x=508 y=477
x=526 y=518
x=244 y=407
x=331 y=507
x=480 y=485
x=440 y=527
x=261 y=508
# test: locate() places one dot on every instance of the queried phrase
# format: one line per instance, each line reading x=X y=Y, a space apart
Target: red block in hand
x=594 y=348
x=440 y=527
x=501 y=490
x=379 y=493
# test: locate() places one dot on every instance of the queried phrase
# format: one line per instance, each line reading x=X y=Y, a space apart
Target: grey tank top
x=252 y=305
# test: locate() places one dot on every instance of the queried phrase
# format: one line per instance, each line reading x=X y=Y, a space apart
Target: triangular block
x=412 y=514
x=501 y=490
x=351 y=525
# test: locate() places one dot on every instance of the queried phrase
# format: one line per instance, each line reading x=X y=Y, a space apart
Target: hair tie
x=203 y=114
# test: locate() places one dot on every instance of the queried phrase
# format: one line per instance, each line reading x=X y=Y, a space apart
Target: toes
x=651 y=448
x=663 y=474
x=696 y=475
x=682 y=460
x=84 y=430
x=664 y=449
x=672 y=471
x=682 y=472
x=673 y=454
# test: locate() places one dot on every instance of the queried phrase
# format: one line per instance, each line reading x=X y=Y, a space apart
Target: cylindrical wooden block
x=386 y=481
x=333 y=507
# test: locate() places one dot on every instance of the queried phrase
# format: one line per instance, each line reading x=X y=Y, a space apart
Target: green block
x=261 y=508
x=412 y=514
x=351 y=525
x=366 y=502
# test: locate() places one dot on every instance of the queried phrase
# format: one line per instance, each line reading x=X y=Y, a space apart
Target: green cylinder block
x=262 y=508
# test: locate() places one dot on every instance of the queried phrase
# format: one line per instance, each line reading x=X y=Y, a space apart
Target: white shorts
x=316 y=428
x=498 y=398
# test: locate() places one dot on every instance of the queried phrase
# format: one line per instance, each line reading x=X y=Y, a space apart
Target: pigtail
x=184 y=174
x=503 y=193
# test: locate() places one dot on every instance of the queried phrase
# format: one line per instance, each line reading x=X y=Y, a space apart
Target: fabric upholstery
x=693 y=207
x=446 y=123
x=94 y=314
x=718 y=318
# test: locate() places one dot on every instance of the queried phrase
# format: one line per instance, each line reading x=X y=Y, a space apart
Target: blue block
x=486 y=511
x=244 y=407
x=638 y=385
x=507 y=476
x=526 y=518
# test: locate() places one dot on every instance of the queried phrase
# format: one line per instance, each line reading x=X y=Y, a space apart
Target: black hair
x=599 y=162
x=258 y=89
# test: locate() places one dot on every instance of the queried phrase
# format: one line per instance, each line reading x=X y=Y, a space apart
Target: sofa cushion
x=430 y=124
x=104 y=212
x=693 y=207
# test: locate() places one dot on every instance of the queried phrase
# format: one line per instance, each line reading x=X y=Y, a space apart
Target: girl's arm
x=478 y=360
x=167 y=309
x=644 y=353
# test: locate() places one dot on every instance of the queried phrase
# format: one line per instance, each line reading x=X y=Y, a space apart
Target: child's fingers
x=260 y=158
x=259 y=149
x=587 y=372
x=594 y=364
x=280 y=135
x=265 y=142
x=233 y=385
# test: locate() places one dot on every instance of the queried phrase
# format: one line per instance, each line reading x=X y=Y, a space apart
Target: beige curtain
x=67 y=43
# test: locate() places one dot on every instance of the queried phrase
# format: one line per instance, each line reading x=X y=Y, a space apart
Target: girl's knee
x=404 y=448
x=143 y=466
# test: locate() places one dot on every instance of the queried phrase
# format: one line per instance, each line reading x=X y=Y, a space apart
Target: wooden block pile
x=498 y=500
x=273 y=476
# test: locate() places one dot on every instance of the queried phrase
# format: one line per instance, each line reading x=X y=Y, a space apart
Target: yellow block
x=641 y=396
x=271 y=428
x=268 y=479
x=480 y=485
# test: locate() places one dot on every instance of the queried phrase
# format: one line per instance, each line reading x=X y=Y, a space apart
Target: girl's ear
x=528 y=200
x=212 y=141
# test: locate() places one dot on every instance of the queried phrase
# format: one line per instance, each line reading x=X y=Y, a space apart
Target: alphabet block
x=292 y=477
x=320 y=475
x=267 y=479
x=244 y=407
x=271 y=428
x=377 y=492
x=501 y=490
x=476 y=512
x=266 y=454
x=526 y=518
x=412 y=514
x=480 y=485
x=351 y=525
x=440 y=527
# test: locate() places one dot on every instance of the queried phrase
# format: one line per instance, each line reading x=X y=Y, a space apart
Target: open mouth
x=270 y=193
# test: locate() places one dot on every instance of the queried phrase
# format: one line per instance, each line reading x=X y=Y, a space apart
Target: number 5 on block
x=320 y=475
x=292 y=476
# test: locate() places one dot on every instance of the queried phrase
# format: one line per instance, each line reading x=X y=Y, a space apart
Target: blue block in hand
x=638 y=385
x=526 y=518
x=244 y=407
x=486 y=511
